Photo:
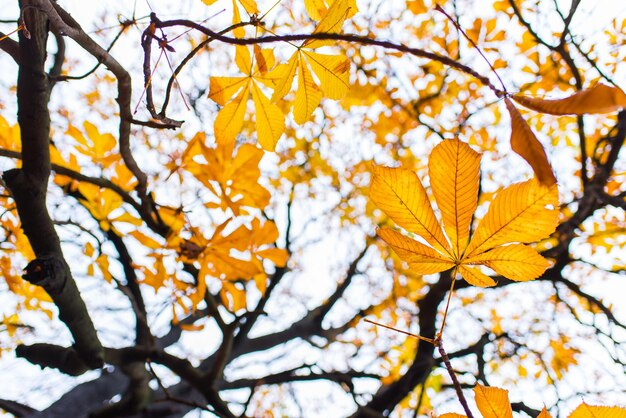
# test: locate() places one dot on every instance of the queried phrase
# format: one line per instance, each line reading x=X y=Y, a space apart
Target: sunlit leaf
x=270 y=120
x=332 y=21
x=474 y=276
x=229 y=120
x=597 y=99
x=544 y=413
x=589 y=411
x=521 y=213
x=422 y=258
x=454 y=175
x=516 y=262
x=315 y=8
x=493 y=402
x=525 y=143
x=400 y=194
x=524 y=212
x=308 y=95
x=332 y=71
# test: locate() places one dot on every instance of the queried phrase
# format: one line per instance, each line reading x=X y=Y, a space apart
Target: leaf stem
x=455 y=381
x=410 y=334
x=471 y=41
x=445 y=312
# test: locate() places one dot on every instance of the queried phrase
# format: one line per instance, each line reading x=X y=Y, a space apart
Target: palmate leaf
x=455 y=175
x=233 y=93
x=419 y=256
x=522 y=213
x=518 y=213
x=516 y=261
x=332 y=21
x=332 y=71
x=400 y=194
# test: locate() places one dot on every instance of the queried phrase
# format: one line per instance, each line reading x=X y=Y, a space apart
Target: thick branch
x=65 y=24
x=10 y=46
x=29 y=185
x=16 y=408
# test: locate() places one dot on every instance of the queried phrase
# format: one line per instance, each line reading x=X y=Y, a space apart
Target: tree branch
x=29 y=186
x=16 y=408
x=10 y=46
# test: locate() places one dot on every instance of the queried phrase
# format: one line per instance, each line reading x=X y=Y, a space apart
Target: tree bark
x=29 y=185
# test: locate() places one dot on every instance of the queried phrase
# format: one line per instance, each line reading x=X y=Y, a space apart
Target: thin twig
x=455 y=381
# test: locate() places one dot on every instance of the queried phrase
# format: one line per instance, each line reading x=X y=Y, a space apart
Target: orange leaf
x=525 y=143
x=516 y=262
x=493 y=402
x=475 y=277
x=589 y=411
x=421 y=258
x=544 y=413
x=454 y=170
x=519 y=213
x=399 y=193
x=597 y=99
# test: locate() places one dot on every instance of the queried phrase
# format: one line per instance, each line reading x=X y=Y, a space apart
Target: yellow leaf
x=250 y=6
x=564 y=356
x=332 y=21
x=270 y=120
x=11 y=324
x=222 y=89
x=475 y=277
x=278 y=256
x=233 y=178
x=209 y=2
x=315 y=8
x=421 y=258
x=333 y=72
x=400 y=194
x=239 y=31
x=525 y=143
x=308 y=95
x=10 y=135
x=89 y=249
x=229 y=120
x=452 y=415
x=243 y=59
x=519 y=213
x=174 y=218
x=417 y=7
x=260 y=281
x=597 y=99
x=516 y=262
x=103 y=264
x=191 y=327
x=145 y=240
x=589 y=411
x=544 y=413
x=285 y=75
x=493 y=402
x=233 y=297
x=454 y=170
x=261 y=61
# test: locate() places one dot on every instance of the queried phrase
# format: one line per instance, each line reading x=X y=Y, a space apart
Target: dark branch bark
x=16 y=408
x=11 y=47
x=29 y=186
